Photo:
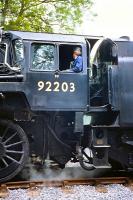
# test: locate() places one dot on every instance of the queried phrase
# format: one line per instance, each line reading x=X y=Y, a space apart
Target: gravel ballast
x=113 y=192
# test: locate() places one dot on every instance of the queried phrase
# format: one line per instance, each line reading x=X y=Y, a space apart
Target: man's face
x=76 y=53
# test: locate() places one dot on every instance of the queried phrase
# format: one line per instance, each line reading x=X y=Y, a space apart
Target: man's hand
x=67 y=70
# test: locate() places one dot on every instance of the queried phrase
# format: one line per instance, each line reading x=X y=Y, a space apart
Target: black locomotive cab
x=41 y=64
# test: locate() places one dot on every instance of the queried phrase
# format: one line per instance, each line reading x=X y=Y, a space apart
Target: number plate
x=56 y=86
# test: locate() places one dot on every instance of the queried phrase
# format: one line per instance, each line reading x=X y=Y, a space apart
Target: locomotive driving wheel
x=14 y=150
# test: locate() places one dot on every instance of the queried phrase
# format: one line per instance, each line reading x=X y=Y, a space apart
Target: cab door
x=49 y=87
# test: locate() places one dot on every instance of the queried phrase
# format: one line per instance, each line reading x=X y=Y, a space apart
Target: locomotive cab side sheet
x=48 y=81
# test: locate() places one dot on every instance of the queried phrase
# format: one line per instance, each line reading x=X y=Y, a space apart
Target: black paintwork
x=42 y=100
x=125 y=82
x=53 y=120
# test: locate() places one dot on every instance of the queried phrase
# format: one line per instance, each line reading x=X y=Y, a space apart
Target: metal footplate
x=100 y=148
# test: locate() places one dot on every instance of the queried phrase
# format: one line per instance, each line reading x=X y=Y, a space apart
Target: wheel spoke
x=12 y=136
x=5 y=132
x=6 y=164
x=12 y=151
x=12 y=159
x=13 y=144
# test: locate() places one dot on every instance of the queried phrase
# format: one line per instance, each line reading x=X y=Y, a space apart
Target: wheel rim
x=13 y=150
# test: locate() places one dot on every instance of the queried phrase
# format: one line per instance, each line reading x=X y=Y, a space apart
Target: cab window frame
x=55 y=56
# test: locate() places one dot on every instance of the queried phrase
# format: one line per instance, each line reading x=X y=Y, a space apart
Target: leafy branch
x=42 y=15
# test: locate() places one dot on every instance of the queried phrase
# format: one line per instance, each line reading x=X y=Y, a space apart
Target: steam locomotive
x=47 y=111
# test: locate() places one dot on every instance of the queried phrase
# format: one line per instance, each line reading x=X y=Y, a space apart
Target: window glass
x=2 y=53
x=19 y=50
x=43 y=57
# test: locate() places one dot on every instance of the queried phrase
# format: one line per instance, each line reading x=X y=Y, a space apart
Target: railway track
x=34 y=186
x=69 y=182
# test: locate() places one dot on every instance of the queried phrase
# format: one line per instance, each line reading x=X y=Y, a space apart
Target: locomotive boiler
x=48 y=111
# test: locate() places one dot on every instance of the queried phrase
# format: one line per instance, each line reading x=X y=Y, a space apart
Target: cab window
x=43 y=57
x=66 y=56
x=19 y=50
x=2 y=53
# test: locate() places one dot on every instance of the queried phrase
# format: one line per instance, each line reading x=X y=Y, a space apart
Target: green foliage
x=42 y=15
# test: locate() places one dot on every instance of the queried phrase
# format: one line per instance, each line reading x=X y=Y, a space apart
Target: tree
x=42 y=15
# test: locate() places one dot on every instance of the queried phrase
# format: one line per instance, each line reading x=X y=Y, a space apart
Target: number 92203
x=56 y=86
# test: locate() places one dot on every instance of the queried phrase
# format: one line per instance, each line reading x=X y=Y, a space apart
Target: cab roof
x=47 y=37
x=57 y=37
